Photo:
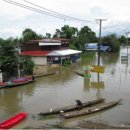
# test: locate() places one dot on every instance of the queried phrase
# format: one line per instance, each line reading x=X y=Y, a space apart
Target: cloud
x=99 y=12
x=15 y=19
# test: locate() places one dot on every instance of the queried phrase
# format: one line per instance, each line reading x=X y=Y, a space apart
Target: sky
x=14 y=20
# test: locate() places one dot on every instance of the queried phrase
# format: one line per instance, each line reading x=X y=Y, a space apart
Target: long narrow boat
x=13 y=121
x=90 y=110
x=79 y=73
x=71 y=108
x=17 y=82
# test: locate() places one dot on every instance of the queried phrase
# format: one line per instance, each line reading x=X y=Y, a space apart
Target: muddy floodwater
x=64 y=87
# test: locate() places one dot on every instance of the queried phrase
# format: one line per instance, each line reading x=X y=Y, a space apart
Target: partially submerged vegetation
x=9 y=59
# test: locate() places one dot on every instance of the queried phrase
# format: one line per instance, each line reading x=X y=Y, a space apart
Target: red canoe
x=13 y=121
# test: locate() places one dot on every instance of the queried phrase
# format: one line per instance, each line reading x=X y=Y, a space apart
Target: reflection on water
x=87 y=84
x=95 y=84
x=62 y=88
x=11 y=99
x=110 y=59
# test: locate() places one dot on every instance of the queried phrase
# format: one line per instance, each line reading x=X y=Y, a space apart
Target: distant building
x=94 y=47
x=91 y=46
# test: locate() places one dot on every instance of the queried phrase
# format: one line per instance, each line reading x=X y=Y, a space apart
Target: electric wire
x=57 y=15
x=31 y=8
x=56 y=12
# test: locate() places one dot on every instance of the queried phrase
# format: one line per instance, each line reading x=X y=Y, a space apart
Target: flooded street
x=64 y=87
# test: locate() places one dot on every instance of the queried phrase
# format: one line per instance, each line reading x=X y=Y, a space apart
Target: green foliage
x=78 y=38
x=66 y=32
x=48 y=35
x=8 y=59
x=67 y=62
x=27 y=64
x=112 y=41
x=123 y=40
x=85 y=35
x=8 y=54
x=29 y=34
x=87 y=58
x=72 y=46
x=90 y=54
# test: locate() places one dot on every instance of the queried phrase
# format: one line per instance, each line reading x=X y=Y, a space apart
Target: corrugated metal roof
x=49 y=44
x=94 y=46
x=63 y=52
x=50 y=53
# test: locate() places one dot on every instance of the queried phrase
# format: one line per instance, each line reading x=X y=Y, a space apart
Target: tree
x=77 y=38
x=85 y=35
x=57 y=33
x=8 y=58
x=27 y=64
x=29 y=34
x=112 y=41
x=123 y=40
x=48 y=35
x=66 y=32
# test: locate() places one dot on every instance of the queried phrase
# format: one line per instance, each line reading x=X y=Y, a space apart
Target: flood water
x=64 y=87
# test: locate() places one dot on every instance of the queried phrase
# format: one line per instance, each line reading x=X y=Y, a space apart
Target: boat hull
x=15 y=84
x=91 y=110
x=79 y=73
x=13 y=121
x=73 y=107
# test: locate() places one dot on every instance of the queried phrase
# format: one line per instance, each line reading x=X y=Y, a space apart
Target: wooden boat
x=79 y=73
x=17 y=82
x=90 y=110
x=71 y=108
x=13 y=121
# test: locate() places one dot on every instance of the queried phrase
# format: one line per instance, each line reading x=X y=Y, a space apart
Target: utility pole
x=99 y=42
x=18 y=58
x=127 y=41
x=1 y=76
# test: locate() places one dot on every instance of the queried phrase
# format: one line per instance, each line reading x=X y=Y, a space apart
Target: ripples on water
x=62 y=88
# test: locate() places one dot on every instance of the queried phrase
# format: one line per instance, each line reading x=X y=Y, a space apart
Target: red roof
x=34 y=53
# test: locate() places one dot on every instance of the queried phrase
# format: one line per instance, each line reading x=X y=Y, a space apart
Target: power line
x=51 y=13
x=31 y=8
x=54 y=12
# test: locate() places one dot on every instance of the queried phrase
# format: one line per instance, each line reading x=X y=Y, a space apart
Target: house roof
x=61 y=39
x=49 y=40
x=34 y=53
x=63 y=52
x=94 y=46
x=50 y=53
x=49 y=44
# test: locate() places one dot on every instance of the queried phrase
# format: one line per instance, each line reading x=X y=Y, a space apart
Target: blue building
x=94 y=47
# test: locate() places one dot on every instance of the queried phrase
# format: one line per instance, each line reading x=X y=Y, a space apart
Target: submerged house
x=94 y=47
x=53 y=51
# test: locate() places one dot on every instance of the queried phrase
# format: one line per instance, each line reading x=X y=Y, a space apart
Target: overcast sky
x=14 y=19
